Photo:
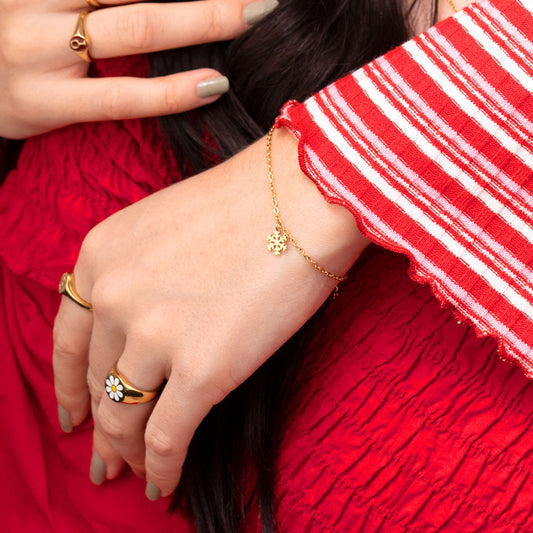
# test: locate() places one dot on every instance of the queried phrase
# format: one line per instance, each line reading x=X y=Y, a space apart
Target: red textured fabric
x=65 y=183
x=402 y=420
x=429 y=147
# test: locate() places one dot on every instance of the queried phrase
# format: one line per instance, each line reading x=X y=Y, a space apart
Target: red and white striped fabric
x=430 y=147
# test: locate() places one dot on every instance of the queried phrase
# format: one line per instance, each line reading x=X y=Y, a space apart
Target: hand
x=184 y=289
x=44 y=84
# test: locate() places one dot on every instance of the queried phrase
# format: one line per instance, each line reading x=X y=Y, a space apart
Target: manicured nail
x=258 y=10
x=212 y=87
x=98 y=469
x=152 y=492
x=64 y=419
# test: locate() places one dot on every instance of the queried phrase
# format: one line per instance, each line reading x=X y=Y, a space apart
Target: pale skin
x=44 y=84
x=211 y=304
x=237 y=302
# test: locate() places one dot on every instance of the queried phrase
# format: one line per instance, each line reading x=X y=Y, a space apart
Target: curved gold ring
x=67 y=287
x=80 y=42
x=94 y=4
x=120 y=390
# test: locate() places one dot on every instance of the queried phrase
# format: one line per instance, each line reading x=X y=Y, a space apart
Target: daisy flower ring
x=120 y=390
x=114 y=388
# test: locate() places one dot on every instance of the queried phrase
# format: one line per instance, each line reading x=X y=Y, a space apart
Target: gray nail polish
x=212 y=87
x=64 y=419
x=98 y=469
x=258 y=10
x=152 y=492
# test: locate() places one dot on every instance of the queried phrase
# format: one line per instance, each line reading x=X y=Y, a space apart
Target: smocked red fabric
x=429 y=146
x=402 y=419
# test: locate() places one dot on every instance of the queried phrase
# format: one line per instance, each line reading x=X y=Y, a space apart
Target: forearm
x=326 y=231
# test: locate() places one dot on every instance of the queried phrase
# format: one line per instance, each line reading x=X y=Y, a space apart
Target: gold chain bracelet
x=452 y=5
x=279 y=239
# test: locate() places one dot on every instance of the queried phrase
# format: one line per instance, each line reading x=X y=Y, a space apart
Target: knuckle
x=67 y=397
x=64 y=346
x=172 y=95
x=90 y=241
x=159 y=443
x=113 y=427
x=22 y=106
x=218 y=21
x=70 y=395
x=105 y=295
x=114 y=102
x=18 y=94
x=205 y=380
x=9 y=47
x=108 y=455
x=17 y=97
x=135 y=29
x=95 y=386
x=222 y=387
x=90 y=247
x=14 y=43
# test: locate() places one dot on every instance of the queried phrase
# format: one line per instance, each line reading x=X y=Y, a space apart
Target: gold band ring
x=67 y=287
x=120 y=390
x=80 y=42
x=94 y=3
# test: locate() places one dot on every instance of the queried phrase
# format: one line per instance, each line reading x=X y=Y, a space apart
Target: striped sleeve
x=430 y=147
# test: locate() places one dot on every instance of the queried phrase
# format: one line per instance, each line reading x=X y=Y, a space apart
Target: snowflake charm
x=277 y=242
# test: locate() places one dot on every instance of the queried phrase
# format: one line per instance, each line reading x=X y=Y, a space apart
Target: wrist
x=327 y=232
x=447 y=8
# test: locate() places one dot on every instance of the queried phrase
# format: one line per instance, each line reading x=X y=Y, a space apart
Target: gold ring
x=67 y=287
x=120 y=390
x=80 y=42
x=94 y=3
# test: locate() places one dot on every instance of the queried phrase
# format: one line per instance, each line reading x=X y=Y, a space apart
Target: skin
x=211 y=303
x=202 y=287
x=44 y=84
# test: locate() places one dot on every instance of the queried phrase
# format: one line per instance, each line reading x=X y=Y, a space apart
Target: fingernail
x=212 y=87
x=258 y=10
x=64 y=419
x=152 y=492
x=98 y=469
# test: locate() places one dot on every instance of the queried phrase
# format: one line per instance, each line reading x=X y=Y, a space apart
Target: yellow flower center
x=113 y=388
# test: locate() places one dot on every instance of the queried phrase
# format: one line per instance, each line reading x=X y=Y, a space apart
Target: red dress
x=402 y=419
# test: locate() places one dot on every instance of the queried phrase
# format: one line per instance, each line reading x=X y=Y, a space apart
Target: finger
x=123 y=427
x=106 y=462
x=107 y=342
x=72 y=333
x=125 y=97
x=122 y=424
x=143 y=28
x=169 y=431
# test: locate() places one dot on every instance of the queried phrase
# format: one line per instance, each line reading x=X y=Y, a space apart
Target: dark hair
x=9 y=153
x=298 y=49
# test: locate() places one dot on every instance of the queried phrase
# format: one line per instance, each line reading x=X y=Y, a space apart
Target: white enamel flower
x=114 y=388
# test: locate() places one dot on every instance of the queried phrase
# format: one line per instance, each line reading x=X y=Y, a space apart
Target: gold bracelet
x=278 y=240
x=452 y=5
